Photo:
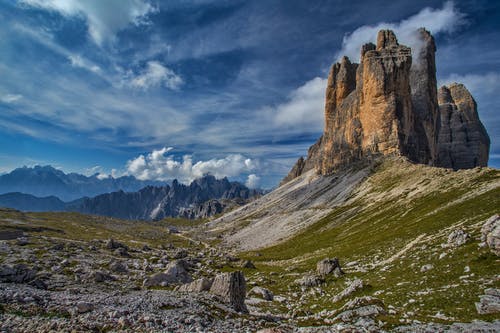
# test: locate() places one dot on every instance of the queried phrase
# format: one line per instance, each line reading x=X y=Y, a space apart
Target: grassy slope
x=80 y=227
x=399 y=204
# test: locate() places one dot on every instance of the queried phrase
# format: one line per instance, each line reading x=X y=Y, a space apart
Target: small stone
x=426 y=268
x=83 y=307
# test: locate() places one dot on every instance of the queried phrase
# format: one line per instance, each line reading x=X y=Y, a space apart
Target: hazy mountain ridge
x=43 y=181
x=204 y=197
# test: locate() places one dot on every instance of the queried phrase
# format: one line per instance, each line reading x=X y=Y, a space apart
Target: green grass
x=362 y=232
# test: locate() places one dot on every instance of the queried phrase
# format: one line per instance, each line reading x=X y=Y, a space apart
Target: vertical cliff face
x=463 y=141
x=388 y=105
x=424 y=97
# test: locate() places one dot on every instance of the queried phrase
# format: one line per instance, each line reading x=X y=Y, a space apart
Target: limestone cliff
x=463 y=142
x=388 y=105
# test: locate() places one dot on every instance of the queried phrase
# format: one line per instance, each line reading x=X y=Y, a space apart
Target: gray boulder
x=18 y=273
x=354 y=286
x=197 y=286
x=490 y=302
x=262 y=293
x=176 y=272
x=231 y=287
x=490 y=234
x=329 y=266
x=457 y=238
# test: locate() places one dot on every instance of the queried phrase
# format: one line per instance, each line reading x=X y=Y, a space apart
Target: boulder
x=175 y=272
x=231 y=287
x=19 y=273
x=329 y=266
x=262 y=293
x=354 y=286
x=490 y=234
x=490 y=302
x=457 y=238
x=203 y=284
x=111 y=244
x=309 y=280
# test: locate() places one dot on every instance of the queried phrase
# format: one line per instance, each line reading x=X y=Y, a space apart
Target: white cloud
x=78 y=61
x=304 y=106
x=104 y=18
x=253 y=181
x=10 y=98
x=154 y=75
x=158 y=165
x=446 y=19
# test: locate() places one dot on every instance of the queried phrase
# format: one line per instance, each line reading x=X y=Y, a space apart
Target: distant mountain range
x=44 y=181
x=204 y=197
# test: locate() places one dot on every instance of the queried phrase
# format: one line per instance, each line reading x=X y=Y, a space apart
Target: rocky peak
x=388 y=105
x=386 y=39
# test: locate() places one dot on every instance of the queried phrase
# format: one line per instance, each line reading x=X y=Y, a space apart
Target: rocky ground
x=62 y=284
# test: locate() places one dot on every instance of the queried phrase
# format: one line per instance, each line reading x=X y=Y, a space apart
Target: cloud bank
x=158 y=165
x=446 y=19
x=104 y=18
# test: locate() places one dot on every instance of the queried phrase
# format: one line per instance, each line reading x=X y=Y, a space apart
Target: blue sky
x=174 y=89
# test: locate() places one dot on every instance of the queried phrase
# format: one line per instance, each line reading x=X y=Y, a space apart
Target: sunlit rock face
x=388 y=105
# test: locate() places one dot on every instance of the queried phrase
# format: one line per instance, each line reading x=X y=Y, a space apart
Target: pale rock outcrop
x=489 y=302
x=203 y=284
x=490 y=234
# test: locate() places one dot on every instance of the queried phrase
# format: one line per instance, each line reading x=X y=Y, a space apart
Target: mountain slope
x=390 y=231
x=391 y=188
x=28 y=202
x=42 y=181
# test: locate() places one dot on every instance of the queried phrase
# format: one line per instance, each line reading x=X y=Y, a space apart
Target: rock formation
x=388 y=105
x=463 y=142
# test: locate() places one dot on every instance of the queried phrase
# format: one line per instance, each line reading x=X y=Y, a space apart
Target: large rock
x=388 y=105
x=490 y=302
x=354 y=286
x=203 y=284
x=18 y=273
x=329 y=266
x=231 y=287
x=490 y=234
x=176 y=272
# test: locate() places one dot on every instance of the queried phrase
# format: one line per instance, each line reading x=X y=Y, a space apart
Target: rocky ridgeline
x=204 y=197
x=389 y=104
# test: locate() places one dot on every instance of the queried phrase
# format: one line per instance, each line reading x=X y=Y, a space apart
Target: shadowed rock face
x=388 y=105
x=463 y=141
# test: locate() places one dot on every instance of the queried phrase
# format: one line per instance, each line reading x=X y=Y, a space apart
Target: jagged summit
x=388 y=105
